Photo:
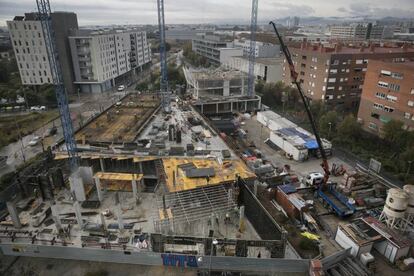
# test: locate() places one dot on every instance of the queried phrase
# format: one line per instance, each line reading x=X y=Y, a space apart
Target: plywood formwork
x=120 y=123
x=226 y=172
x=118 y=181
x=95 y=155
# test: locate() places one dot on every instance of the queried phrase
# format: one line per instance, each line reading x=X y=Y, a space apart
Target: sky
x=106 y=12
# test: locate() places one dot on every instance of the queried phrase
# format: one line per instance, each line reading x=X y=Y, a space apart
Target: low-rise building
x=267 y=69
x=387 y=94
x=261 y=50
x=220 y=91
x=216 y=48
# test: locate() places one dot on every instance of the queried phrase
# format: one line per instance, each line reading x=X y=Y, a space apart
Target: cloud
x=342 y=9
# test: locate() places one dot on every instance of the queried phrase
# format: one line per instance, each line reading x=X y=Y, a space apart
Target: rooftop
x=343 y=49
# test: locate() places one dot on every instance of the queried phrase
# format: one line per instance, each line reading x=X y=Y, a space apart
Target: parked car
x=35 y=140
x=121 y=88
x=38 y=108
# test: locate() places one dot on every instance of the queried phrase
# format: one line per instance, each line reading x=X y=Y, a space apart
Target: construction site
x=121 y=123
x=220 y=91
x=207 y=181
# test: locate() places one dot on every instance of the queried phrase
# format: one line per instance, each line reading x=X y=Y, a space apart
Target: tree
x=393 y=131
x=348 y=130
x=328 y=123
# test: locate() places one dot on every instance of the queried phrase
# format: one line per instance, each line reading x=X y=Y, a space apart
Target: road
x=88 y=106
x=83 y=108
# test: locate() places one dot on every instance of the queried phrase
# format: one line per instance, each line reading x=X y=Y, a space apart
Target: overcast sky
x=208 y=11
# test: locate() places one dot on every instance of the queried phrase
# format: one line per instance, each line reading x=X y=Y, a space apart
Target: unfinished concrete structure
x=175 y=196
x=220 y=90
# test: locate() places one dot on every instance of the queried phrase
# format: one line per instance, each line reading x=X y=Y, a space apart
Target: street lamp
x=213 y=243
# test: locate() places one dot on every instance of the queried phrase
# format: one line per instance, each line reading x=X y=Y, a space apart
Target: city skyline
x=208 y=11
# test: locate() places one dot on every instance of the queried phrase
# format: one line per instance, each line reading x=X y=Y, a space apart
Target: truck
x=335 y=201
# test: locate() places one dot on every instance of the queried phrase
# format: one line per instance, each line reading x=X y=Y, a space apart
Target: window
x=385 y=73
x=383 y=84
x=314 y=59
x=332 y=80
x=412 y=91
x=392 y=98
x=378 y=106
x=407 y=115
x=410 y=103
x=333 y=71
x=380 y=95
x=393 y=86
x=335 y=62
x=388 y=109
x=330 y=88
x=372 y=126
x=359 y=61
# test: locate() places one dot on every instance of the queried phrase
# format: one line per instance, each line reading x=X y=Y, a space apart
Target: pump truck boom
x=294 y=76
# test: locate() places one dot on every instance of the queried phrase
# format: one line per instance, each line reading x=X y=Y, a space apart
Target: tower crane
x=164 y=89
x=252 y=52
x=44 y=13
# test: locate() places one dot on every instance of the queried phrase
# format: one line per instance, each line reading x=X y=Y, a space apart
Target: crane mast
x=294 y=76
x=164 y=89
x=45 y=16
x=252 y=51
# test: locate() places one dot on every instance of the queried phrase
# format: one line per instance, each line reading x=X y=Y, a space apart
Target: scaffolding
x=186 y=207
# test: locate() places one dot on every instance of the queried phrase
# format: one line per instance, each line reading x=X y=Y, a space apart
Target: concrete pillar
x=98 y=188
x=212 y=221
x=217 y=110
x=101 y=161
x=141 y=170
x=119 y=213
x=241 y=219
x=103 y=222
x=78 y=214
x=119 y=216
x=11 y=207
x=56 y=217
x=134 y=189
x=226 y=88
x=76 y=186
x=245 y=106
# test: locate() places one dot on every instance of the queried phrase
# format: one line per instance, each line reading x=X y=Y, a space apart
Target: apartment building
x=362 y=31
x=357 y=31
x=261 y=50
x=30 y=48
x=216 y=48
x=336 y=74
x=99 y=57
x=388 y=93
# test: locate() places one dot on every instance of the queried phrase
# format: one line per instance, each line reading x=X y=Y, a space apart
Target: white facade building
x=262 y=49
x=216 y=48
x=30 y=51
x=267 y=69
x=100 y=57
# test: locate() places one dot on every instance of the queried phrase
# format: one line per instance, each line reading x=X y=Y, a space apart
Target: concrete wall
x=274 y=266
x=227 y=53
